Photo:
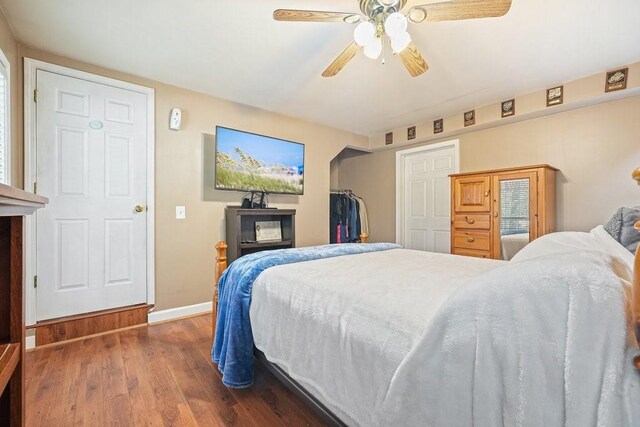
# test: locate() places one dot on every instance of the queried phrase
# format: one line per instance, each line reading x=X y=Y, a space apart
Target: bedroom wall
x=185 y=248
x=595 y=148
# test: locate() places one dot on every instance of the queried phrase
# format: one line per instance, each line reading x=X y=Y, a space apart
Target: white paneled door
x=427 y=200
x=91 y=164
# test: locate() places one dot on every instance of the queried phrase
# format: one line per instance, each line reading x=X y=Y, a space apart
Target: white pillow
x=597 y=240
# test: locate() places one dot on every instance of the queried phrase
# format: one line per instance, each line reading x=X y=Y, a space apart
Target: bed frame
x=221 y=265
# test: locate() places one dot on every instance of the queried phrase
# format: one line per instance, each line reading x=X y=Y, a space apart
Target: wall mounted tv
x=250 y=162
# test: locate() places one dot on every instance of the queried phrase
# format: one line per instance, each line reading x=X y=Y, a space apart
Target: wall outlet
x=181 y=212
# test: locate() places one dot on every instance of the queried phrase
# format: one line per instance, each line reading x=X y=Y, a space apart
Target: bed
x=511 y=244
x=400 y=337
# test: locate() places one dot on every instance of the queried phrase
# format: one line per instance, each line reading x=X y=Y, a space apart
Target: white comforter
x=440 y=340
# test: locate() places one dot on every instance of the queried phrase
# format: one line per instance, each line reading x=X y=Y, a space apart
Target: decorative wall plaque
x=388 y=138
x=555 y=96
x=438 y=126
x=411 y=133
x=470 y=118
x=616 y=80
x=508 y=108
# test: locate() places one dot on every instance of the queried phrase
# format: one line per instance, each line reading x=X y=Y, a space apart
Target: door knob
x=139 y=208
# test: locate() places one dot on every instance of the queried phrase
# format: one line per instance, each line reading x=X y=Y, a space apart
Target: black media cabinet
x=241 y=230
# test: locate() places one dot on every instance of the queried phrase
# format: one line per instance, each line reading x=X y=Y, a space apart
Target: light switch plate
x=181 y=212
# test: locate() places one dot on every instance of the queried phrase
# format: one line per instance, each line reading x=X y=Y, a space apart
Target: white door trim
x=30 y=68
x=400 y=157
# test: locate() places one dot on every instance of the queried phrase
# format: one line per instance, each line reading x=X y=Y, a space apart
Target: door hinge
x=35 y=95
x=35 y=281
x=35 y=187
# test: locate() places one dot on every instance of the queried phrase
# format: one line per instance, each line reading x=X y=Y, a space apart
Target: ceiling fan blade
x=342 y=60
x=459 y=9
x=314 y=16
x=413 y=61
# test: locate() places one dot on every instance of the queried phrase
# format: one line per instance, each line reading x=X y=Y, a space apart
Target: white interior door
x=91 y=164
x=427 y=200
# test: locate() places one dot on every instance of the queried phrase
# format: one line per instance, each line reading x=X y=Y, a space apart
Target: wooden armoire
x=495 y=213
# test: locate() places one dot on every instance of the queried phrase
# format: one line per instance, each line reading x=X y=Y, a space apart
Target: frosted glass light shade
x=364 y=33
x=373 y=49
x=400 y=42
x=395 y=24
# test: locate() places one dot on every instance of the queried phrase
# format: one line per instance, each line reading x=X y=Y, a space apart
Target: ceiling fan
x=385 y=17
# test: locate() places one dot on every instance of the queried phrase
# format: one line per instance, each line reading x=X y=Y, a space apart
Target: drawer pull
x=471 y=239
x=469 y=220
x=486 y=193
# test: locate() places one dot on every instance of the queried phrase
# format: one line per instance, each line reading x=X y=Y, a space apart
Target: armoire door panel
x=472 y=194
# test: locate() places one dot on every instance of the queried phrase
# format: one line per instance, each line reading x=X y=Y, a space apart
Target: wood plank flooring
x=159 y=375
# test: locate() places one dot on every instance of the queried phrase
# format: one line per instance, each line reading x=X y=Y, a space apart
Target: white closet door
x=427 y=200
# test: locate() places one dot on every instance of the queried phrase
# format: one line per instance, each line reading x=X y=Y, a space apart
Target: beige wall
x=185 y=249
x=595 y=148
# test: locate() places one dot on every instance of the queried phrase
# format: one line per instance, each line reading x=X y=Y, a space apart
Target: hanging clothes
x=347 y=217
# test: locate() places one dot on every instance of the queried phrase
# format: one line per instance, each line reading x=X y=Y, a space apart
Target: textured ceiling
x=234 y=50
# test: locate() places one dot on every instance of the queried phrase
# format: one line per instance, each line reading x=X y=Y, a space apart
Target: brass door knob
x=139 y=208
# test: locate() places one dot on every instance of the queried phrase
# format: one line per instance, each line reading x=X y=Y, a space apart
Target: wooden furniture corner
x=14 y=205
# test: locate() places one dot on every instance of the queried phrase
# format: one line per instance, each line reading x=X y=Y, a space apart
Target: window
x=5 y=135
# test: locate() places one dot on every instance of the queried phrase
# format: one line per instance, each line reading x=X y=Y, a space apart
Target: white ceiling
x=234 y=50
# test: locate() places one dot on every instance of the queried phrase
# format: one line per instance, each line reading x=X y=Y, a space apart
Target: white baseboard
x=178 y=312
x=30 y=342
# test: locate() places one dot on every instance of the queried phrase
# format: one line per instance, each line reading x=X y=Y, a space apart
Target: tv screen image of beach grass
x=250 y=162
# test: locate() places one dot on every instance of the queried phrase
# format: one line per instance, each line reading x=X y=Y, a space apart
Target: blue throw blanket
x=233 y=345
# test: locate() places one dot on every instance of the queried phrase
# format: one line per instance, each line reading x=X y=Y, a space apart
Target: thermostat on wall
x=175 y=119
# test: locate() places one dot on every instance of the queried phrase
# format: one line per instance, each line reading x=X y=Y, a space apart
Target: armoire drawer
x=478 y=240
x=472 y=252
x=472 y=221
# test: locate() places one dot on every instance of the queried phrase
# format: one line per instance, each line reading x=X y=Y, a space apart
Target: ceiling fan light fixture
x=352 y=19
x=417 y=14
x=395 y=24
x=373 y=49
x=364 y=33
x=400 y=42
x=389 y=3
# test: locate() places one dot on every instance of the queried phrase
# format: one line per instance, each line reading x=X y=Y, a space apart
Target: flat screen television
x=250 y=162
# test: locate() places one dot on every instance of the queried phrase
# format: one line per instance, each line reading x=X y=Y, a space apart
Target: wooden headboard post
x=221 y=266
x=635 y=292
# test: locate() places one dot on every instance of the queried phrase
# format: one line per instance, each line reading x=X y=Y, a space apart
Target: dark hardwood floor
x=150 y=376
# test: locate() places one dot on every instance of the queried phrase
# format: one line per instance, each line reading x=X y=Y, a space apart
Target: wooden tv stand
x=14 y=205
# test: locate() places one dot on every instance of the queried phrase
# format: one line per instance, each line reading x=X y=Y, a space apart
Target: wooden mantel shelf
x=14 y=205
x=16 y=202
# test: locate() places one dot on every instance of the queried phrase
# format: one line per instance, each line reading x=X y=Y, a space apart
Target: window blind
x=514 y=206
x=4 y=143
